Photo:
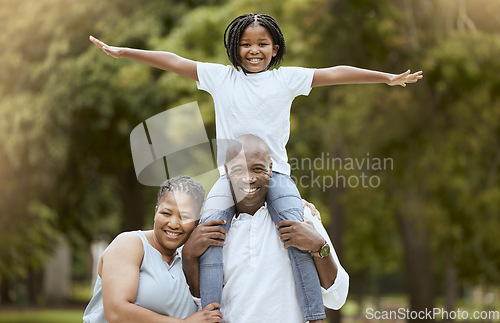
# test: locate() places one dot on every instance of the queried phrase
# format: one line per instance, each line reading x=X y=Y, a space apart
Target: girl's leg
x=284 y=203
x=218 y=205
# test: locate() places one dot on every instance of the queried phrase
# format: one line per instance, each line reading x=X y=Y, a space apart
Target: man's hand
x=112 y=51
x=301 y=235
x=206 y=234
x=208 y=314
x=404 y=78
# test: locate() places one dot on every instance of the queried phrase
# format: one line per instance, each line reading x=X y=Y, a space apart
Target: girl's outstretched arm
x=162 y=60
x=353 y=75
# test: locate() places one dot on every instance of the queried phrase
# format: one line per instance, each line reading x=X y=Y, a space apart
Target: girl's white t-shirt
x=257 y=104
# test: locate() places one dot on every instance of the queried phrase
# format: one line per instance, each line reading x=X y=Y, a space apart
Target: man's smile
x=250 y=190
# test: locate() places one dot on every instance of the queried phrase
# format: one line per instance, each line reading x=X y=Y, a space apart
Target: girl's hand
x=404 y=78
x=112 y=51
x=208 y=314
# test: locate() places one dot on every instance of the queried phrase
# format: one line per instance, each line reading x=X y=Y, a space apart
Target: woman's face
x=174 y=221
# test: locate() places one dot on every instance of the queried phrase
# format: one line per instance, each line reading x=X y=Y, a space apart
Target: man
x=258 y=280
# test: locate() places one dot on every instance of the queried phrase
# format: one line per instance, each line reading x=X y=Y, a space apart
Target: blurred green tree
x=67 y=111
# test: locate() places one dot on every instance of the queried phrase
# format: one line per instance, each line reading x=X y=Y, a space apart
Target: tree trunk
x=133 y=203
x=4 y=290
x=34 y=292
x=418 y=272
x=335 y=231
x=450 y=286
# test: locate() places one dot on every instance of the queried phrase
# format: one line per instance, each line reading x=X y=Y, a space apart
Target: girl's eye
x=245 y=45
x=263 y=44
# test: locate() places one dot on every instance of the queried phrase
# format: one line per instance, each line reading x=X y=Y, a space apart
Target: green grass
x=41 y=316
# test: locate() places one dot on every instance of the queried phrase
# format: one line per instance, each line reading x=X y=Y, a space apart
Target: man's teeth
x=249 y=190
x=172 y=234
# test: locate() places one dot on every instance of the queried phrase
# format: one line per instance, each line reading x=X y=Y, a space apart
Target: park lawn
x=41 y=316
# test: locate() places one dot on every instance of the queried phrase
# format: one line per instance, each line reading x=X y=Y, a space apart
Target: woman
x=140 y=277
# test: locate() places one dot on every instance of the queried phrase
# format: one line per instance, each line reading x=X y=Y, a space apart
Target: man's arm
x=304 y=236
x=353 y=75
x=311 y=236
x=162 y=60
x=206 y=234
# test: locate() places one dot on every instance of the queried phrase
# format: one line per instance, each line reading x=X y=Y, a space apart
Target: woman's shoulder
x=126 y=248
x=129 y=240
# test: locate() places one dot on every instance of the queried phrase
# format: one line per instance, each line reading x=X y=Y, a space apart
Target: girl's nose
x=254 y=50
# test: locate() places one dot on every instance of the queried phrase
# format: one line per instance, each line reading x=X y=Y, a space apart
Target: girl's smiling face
x=256 y=48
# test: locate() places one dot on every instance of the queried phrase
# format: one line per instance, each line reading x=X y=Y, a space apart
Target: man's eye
x=237 y=172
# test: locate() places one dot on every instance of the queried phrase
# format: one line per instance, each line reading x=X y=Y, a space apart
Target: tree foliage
x=67 y=111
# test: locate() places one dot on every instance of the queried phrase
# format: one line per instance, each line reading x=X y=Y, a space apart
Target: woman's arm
x=311 y=235
x=162 y=60
x=353 y=75
x=119 y=269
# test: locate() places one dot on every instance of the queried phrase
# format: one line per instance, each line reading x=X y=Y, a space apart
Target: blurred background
x=425 y=237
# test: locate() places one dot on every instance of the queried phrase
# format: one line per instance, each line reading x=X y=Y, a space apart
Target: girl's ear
x=275 y=50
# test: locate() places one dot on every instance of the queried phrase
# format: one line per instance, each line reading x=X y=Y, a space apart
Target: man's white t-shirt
x=257 y=104
x=258 y=279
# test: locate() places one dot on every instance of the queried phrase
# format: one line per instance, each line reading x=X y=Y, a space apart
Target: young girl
x=250 y=98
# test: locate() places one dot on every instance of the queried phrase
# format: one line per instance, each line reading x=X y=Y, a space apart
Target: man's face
x=249 y=174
